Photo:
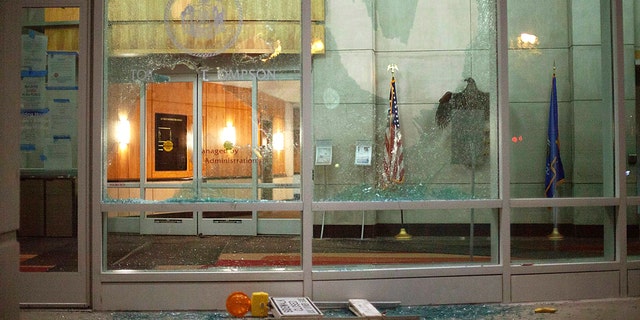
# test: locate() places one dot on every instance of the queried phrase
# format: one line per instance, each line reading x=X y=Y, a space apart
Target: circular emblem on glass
x=331 y=98
x=203 y=28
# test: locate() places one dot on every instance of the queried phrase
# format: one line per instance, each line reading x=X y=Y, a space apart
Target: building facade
x=171 y=152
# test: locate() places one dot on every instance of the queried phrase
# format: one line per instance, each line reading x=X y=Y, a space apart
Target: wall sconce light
x=317 y=46
x=278 y=141
x=123 y=132
x=528 y=41
x=228 y=136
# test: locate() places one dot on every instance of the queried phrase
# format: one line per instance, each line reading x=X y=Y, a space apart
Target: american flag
x=393 y=155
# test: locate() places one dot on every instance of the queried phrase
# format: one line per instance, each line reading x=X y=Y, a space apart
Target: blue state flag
x=554 y=172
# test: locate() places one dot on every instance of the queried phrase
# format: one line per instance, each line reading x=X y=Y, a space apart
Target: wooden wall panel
x=61 y=14
x=152 y=37
x=123 y=164
x=149 y=10
x=274 y=109
x=62 y=38
x=140 y=27
x=224 y=105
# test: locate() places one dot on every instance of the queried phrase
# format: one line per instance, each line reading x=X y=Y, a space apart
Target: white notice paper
x=58 y=155
x=34 y=51
x=62 y=70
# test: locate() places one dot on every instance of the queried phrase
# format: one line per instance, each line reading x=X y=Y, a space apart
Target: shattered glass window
x=202 y=111
x=203 y=101
x=405 y=102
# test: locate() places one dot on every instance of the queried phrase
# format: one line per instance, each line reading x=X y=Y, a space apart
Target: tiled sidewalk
x=610 y=309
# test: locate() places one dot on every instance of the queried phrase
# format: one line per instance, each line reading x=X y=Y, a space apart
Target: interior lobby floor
x=201 y=253
x=610 y=309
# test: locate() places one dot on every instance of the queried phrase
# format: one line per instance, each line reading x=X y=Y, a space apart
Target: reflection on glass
x=584 y=234
x=364 y=239
x=429 y=110
x=49 y=140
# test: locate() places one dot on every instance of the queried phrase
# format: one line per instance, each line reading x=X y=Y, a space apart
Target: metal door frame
x=230 y=225
x=45 y=287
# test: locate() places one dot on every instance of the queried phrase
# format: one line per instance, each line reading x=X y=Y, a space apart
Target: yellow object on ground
x=545 y=310
x=259 y=304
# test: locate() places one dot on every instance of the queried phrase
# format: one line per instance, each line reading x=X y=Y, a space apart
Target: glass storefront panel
x=370 y=239
x=631 y=125
x=220 y=80
x=569 y=42
x=50 y=107
x=202 y=104
x=127 y=249
x=562 y=235
x=404 y=110
x=631 y=108
x=400 y=113
x=633 y=233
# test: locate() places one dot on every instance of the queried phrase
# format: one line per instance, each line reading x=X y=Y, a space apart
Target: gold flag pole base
x=403 y=235
x=555 y=235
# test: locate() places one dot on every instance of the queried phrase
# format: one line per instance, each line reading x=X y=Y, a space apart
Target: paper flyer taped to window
x=61 y=73
x=59 y=153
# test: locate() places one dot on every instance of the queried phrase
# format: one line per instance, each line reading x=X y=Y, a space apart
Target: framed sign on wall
x=171 y=142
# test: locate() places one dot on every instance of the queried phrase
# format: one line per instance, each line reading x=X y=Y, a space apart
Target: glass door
x=167 y=110
x=239 y=154
x=219 y=162
x=248 y=150
x=230 y=154
x=54 y=171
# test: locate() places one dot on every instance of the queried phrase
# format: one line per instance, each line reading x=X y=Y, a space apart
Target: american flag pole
x=393 y=162
x=393 y=170
x=389 y=133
